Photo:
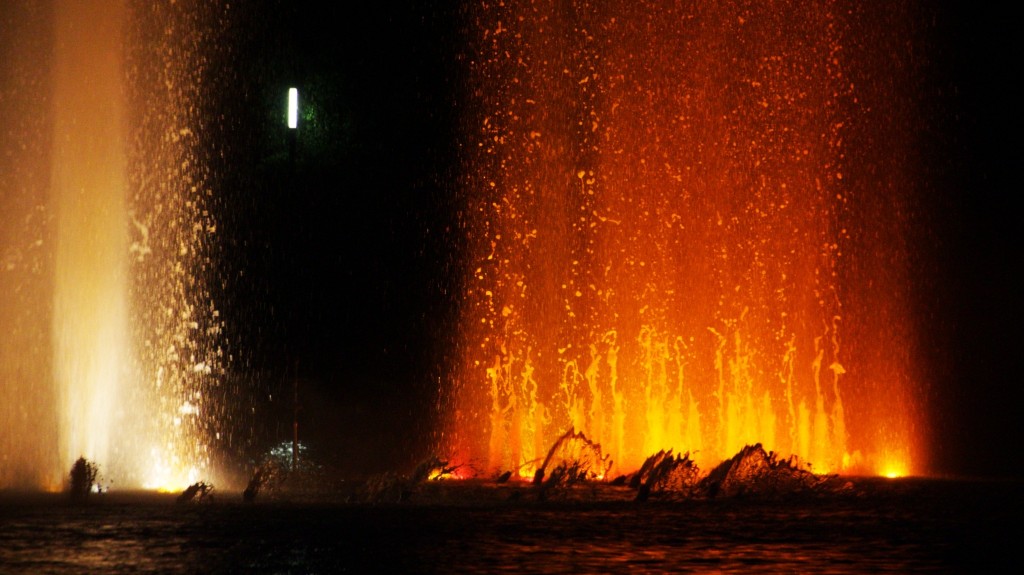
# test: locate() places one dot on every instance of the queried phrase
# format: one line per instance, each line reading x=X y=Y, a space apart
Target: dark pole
x=295 y=423
x=291 y=152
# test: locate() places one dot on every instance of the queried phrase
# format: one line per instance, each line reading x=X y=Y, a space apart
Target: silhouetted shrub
x=83 y=477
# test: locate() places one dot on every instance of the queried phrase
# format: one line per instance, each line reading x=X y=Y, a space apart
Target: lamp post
x=293 y=124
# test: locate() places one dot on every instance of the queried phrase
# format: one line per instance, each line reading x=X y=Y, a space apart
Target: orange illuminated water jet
x=683 y=237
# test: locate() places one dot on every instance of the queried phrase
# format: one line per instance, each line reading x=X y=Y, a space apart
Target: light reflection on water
x=928 y=526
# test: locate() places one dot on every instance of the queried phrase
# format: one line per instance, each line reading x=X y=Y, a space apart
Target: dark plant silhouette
x=83 y=477
x=196 y=492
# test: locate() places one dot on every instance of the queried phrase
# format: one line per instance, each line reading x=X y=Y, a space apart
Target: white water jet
x=90 y=310
x=109 y=338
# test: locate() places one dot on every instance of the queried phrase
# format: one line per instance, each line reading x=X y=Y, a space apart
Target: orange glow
x=893 y=463
x=673 y=247
x=893 y=467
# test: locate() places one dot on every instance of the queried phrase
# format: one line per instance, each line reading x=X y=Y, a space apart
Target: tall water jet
x=178 y=349
x=684 y=234
x=90 y=310
x=111 y=345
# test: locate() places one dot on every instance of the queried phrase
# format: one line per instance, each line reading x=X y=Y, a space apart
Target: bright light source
x=293 y=107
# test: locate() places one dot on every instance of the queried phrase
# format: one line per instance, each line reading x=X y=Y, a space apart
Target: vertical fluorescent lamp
x=293 y=122
x=293 y=107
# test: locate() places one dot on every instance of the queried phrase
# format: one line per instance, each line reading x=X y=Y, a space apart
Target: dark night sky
x=979 y=411
x=349 y=262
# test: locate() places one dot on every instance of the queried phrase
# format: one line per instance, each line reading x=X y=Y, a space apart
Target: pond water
x=902 y=526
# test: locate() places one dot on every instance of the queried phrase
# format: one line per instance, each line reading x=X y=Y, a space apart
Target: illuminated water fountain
x=684 y=235
x=110 y=337
x=90 y=307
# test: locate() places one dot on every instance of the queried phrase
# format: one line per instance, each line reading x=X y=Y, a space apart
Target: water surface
x=880 y=526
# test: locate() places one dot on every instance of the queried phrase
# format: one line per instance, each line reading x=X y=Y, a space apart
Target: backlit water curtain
x=686 y=228
x=111 y=339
